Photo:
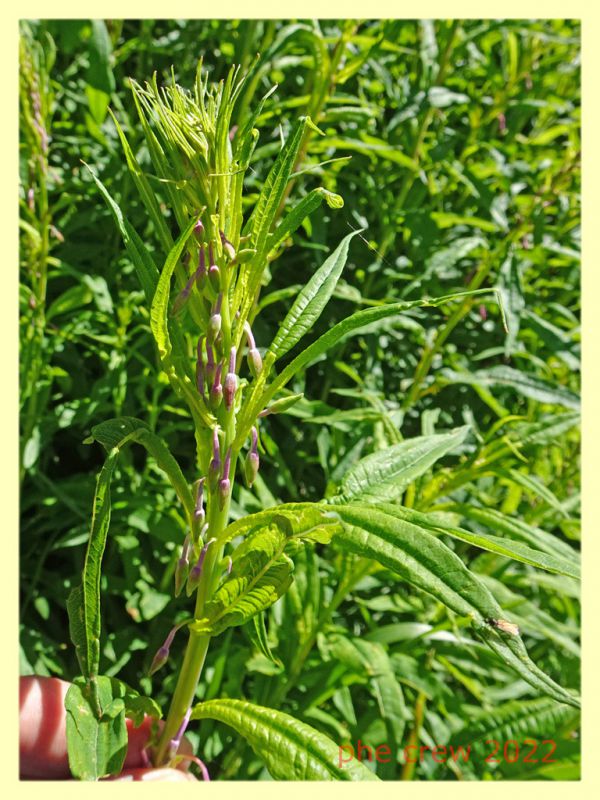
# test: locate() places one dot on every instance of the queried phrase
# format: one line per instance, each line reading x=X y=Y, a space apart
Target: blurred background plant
x=456 y=146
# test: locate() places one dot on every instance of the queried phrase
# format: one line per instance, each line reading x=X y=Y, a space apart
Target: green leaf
x=386 y=473
x=290 y=749
x=99 y=73
x=521 y=382
x=142 y=261
x=310 y=302
x=260 y=574
x=371 y=659
x=312 y=522
x=83 y=604
x=522 y=531
x=96 y=746
x=494 y=544
x=118 y=432
x=260 y=397
x=423 y=561
x=298 y=214
x=517 y=720
x=273 y=190
x=160 y=302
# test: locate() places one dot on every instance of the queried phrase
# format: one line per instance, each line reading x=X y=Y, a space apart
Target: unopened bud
x=281 y=405
x=196 y=572
x=252 y=462
x=228 y=248
x=216 y=390
x=183 y=565
x=255 y=362
x=245 y=255
x=214 y=276
x=199 y=507
x=160 y=659
x=225 y=483
x=214 y=468
x=214 y=327
x=199 y=231
x=231 y=382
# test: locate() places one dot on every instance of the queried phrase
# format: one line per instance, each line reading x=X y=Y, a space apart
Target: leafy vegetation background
x=464 y=149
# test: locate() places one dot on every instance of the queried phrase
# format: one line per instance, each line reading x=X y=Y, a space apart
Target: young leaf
x=303 y=521
x=96 y=746
x=310 y=302
x=290 y=749
x=260 y=574
x=386 y=473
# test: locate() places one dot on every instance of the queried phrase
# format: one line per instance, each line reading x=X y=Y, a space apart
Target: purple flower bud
x=225 y=483
x=211 y=366
x=214 y=468
x=183 y=565
x=199 y=507
x=200 y=274
x=199 y=367
x=214 y=327
x=196 y=572
x=183 y=295
x=229 y=564
x=31 y=199
x=162 y=654
x=252 y=462
x=214 y=276
x=231 y=382
x=501 y=123
x=228 y=248
x=199 y=231
x=216 y=390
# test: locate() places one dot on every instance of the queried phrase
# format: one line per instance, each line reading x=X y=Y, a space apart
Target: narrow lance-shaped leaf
x=310 y=302
x=495 y=544
x=522 y=383
x=142 y=261
x=261 y=396
x=290 y=749
x=422 y=560
x=83 y=604
x=159 y=311
x=387 y=472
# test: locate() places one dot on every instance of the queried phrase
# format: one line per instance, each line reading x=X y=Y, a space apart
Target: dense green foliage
x=446 y=447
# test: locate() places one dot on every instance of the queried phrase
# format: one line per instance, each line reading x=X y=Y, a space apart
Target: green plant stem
x=408 y=770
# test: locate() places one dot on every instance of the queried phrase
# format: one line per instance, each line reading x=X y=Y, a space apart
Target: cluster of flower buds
x=209 y=373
